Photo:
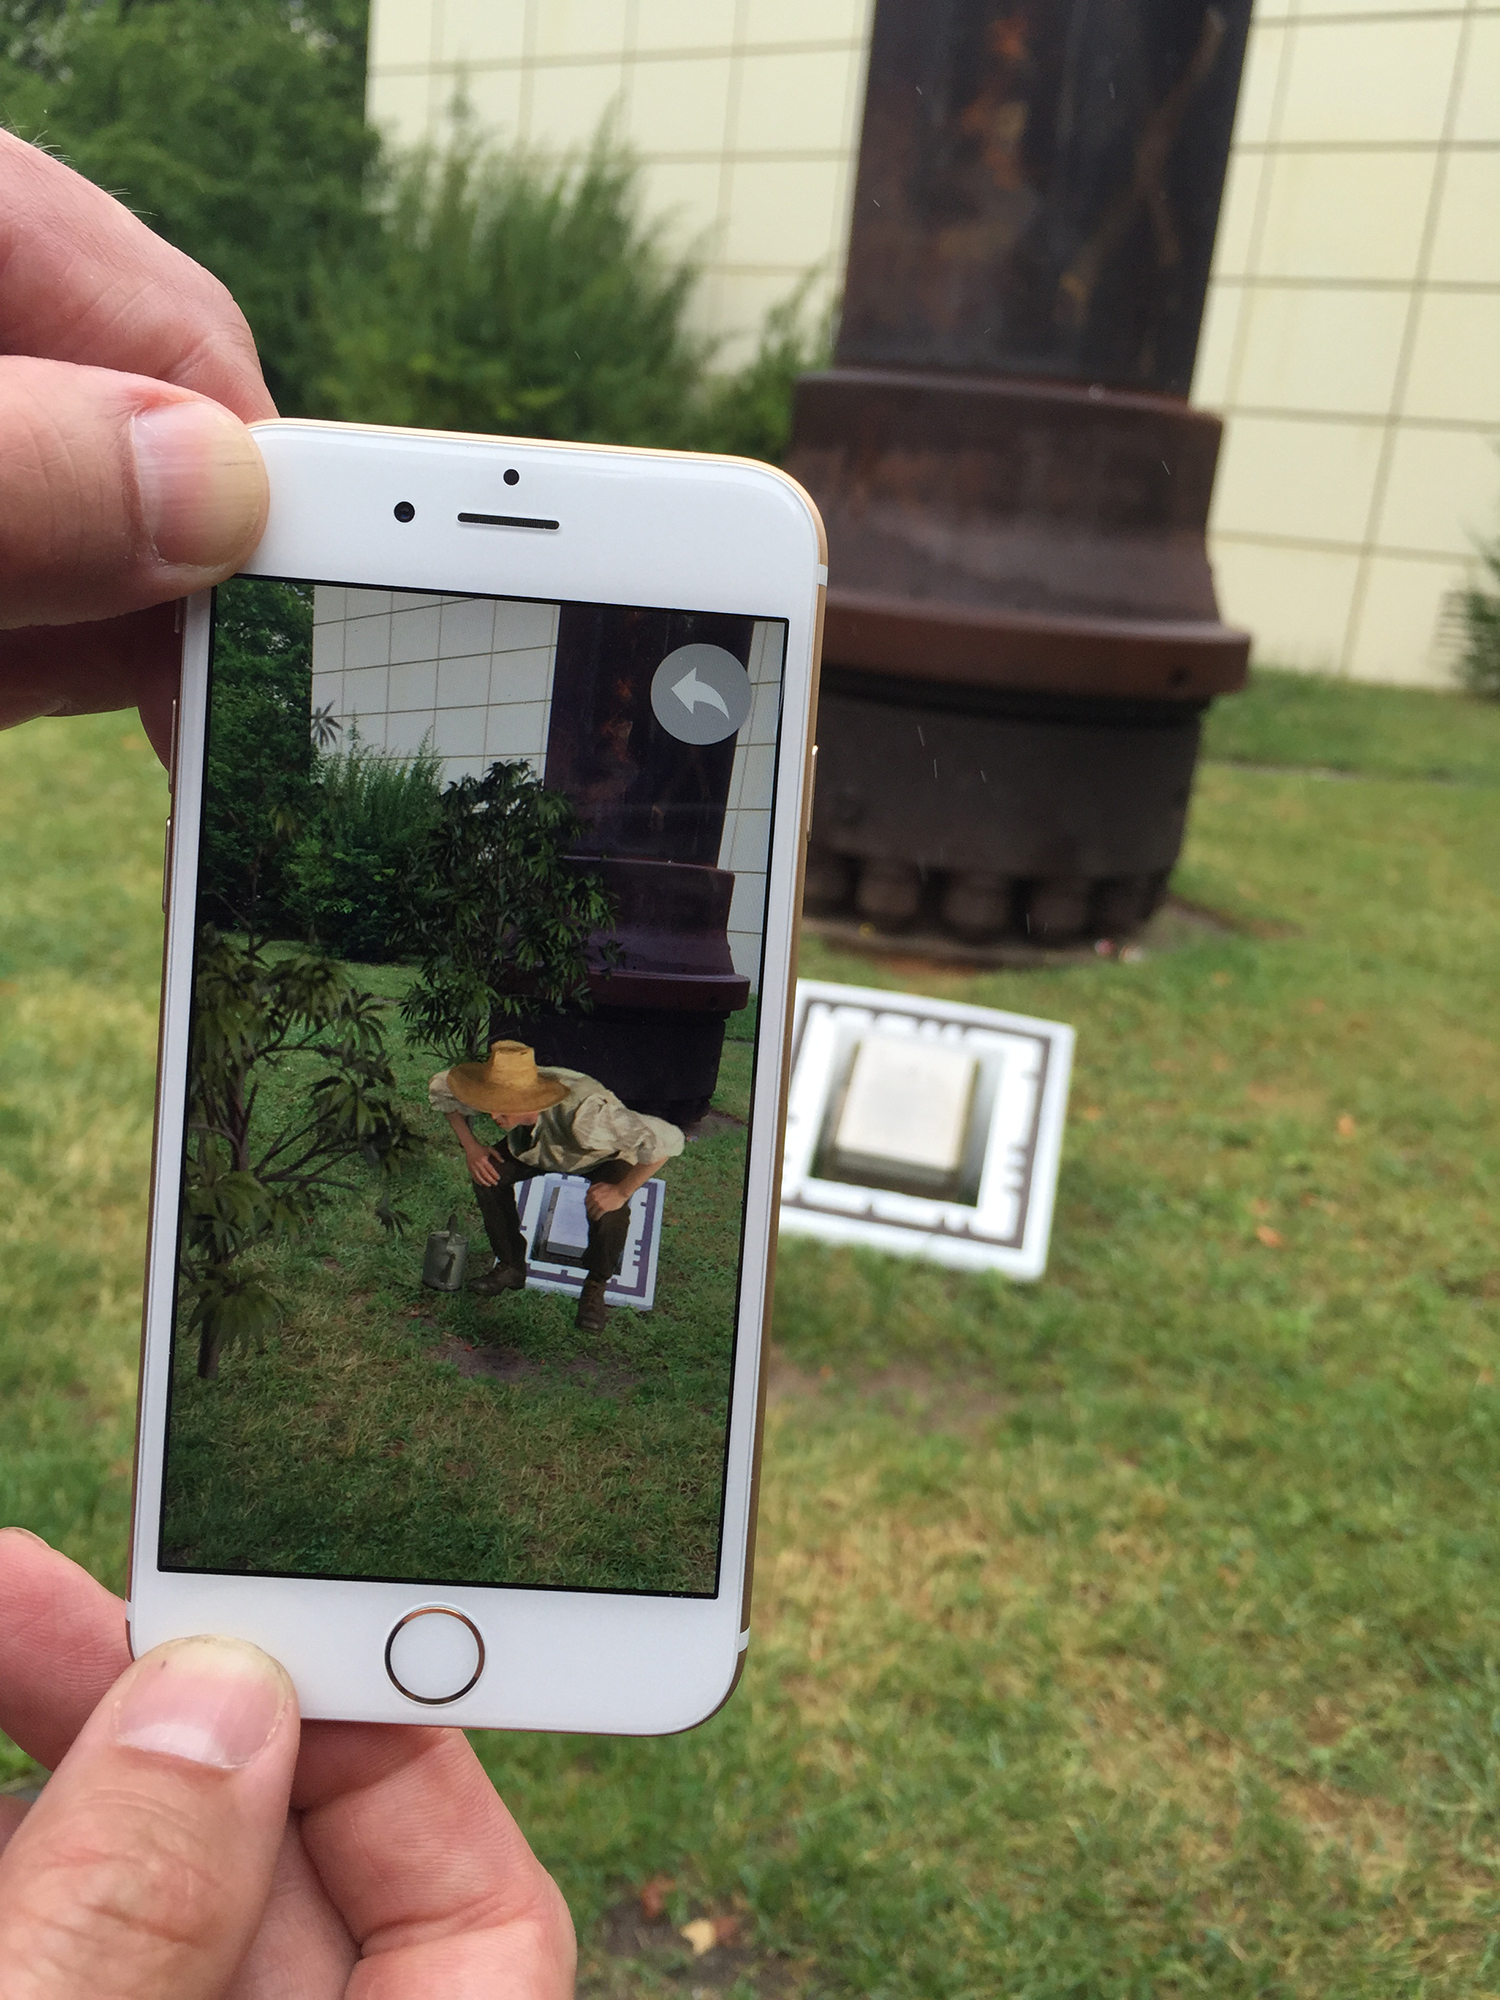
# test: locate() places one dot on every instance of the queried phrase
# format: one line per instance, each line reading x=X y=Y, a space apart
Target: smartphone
x=491 y=787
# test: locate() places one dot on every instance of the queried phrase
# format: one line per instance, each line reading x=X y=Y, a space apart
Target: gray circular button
x=701 y=694
x=434 y=1655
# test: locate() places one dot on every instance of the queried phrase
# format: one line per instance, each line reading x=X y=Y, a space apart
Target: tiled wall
x=1353 y=327
x=745 y=114
x=468 y=675
x=1353 y=333
x=398 y=670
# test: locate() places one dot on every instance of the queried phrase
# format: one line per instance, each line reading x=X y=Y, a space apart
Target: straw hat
x=508 y=1080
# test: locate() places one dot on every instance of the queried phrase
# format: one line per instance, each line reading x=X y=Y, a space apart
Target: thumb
x=144 y=1867
x=119 y=492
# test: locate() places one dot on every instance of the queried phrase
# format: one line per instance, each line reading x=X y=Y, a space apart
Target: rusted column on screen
x=1022 y=631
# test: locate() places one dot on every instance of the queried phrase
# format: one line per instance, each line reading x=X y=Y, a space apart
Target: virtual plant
x=347 y=872
x=497 y=918
x=255 y=1178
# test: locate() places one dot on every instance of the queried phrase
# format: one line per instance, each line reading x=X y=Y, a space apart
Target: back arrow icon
x=690 y=691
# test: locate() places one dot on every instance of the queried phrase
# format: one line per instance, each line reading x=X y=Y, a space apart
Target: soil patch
x=628 y=1937
x=508 y=1364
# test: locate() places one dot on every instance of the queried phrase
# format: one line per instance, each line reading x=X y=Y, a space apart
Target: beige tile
x=578 y=27
x=1466 y=244
x=366 y=603
x=365 y=692
x=1221 y=318
x=794 y=103
x=520 y=677
x=1234 y=244
x=328 y=602
x=679 y=105
x=783 y=213
x=1255 y=111
x=474 y=31
x=494 y=96
x=1369 y=81
x=1479 y=99
x=407 y=731
x=463 y=683
x=1455 y=363
x=414 y=634
x=400 y=32
x=807 y=21
x=1442 y=492
x=744 y=299
x=455 y=768
x=1317 y=8
x=747 y=905
x=328 y=648
x=683 y=195
x=1345 y=215
x=1396 y=623
x=1307 y=480
x=726 y=838
x=413 y=684
x=684 y=24
x=367 y=642
x=1313 y=349
x=468 y=627
x=752 y=842
x=399 y=105
x=516 y=729
x=569 y=102
x=521 y=623
x=1294 y=602
x=459 y=732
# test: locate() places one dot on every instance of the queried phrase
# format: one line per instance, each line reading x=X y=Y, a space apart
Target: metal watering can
x=446 y=1255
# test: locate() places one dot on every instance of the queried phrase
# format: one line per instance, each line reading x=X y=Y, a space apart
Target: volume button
x=166 y=867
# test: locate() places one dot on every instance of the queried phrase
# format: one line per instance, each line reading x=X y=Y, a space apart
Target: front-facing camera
x=512 y=477
x=404 y=511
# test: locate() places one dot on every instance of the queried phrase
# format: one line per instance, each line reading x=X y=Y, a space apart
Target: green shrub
x=1480 y=666
x=373 y=813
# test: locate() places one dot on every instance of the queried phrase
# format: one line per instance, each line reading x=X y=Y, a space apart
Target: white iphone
x=491 y=788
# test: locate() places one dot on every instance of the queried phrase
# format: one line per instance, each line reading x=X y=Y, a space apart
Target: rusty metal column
x=1021 y=632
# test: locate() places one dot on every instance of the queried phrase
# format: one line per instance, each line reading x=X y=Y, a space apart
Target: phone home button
x=434 y=1655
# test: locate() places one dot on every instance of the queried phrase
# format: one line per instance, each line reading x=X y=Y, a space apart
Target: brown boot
x=593 y=1313
x=498 y=1278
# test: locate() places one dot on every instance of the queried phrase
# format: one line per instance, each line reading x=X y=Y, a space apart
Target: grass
x=386 y=1430
x=1134 y=1633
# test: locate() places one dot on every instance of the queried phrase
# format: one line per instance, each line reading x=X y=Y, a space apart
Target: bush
x=345 y=875
x=1480 y=667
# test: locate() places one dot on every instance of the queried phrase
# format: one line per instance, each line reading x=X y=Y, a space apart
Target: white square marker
x=905 y=1115
x=924 y=1127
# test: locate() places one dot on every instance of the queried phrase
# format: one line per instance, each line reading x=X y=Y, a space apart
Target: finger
x=430 y=1872
x=302 y=1947
x=129 y=662
x=118 y=493
x=143 y=1867
x=62 y=1646
x=12 y=1812
x=84 y=280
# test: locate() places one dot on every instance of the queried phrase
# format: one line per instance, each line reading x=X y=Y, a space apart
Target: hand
x=127 y=375
x=603 y=1198
x=483 y=1165
x=163 y=1859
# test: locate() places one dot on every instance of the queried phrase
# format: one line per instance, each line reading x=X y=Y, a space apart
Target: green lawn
x=1132 y=1634
x=384 y=1430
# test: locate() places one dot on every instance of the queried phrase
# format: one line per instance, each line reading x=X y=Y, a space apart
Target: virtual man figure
x=553 y=1121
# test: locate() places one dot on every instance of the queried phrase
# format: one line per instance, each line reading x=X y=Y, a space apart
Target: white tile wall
x=468 y=677
x=472 y=679
x=747 y=824
x=1351 y=331
x=745 y=114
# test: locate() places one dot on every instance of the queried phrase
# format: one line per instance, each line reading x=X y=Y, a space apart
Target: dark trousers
x=502 y=1223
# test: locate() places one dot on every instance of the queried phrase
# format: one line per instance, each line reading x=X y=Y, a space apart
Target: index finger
x=84 y=280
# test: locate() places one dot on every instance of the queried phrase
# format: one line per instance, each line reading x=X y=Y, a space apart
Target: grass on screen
x=1133 y=1633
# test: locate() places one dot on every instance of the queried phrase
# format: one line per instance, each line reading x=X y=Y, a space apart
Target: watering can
x=446 y=1255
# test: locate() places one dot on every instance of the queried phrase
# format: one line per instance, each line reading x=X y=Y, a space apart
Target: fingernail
x=202 y=484
x=209 y=1701
x=13 y=1528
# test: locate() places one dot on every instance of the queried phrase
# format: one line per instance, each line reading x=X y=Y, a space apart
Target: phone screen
x=480 y=910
